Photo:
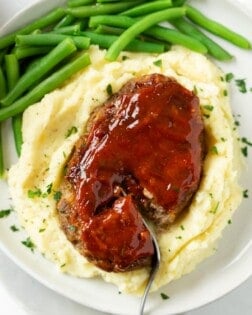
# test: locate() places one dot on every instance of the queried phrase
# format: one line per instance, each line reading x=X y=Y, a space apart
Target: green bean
x=213 y=48
x=73 y=30
x=3 y=91
x=178 y=3
x=105 y=41
x=109 y=1
x=46 y=86
x=37 y=31
x=108 y=30
x=45 y=64
x=146 y=8
x=43 y=22
x=174 y=37
x=50 y=39
x=2 y=170
x=106 y=1
x=3 y=86
x=216 y=28
x=87 y=11
x=78 y=3
x=105 y=29
x=2 y=54
x=117 y=21
x=12 y=70
x=22 y=52
x=158 y=32
x=139 y=27
x=17 y=132
x=66 y=21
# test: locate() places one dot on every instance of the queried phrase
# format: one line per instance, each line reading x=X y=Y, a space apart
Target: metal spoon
x=154 y=267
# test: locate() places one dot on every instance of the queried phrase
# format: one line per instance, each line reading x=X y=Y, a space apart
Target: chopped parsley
x=195 y=90
x=215 y=209
x=241 y=84
x=179 y=237
x=223 y=139
x=158 y=63
x=57 y=195
x=244 y=151
x=245 y=193
x=208 y=107
x=125 y=58
x=14 y=228
x=49 y=188
x=182 y=227
x=229 y=221
x=63 y=265
x=37 y=192
x=34 y=193
x=225 y=93
x=206 y=116
x=214 y=150
x=109 y=89
x=164 y=296
x=71 y=131
x=41 y=230
x=29 y=244
x=5 y=213
x=229 y=77
x=246 y=141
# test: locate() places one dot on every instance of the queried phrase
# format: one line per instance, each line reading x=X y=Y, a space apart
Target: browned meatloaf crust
x=141 y=155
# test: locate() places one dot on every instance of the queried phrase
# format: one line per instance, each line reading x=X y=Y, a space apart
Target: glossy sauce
x=146 y=139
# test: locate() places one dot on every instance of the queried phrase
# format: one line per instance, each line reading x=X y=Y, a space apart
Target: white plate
x=212 y=279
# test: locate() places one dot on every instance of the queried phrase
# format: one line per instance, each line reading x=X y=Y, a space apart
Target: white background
x=20 y=294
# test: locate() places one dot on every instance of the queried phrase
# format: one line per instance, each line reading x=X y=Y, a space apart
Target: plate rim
x=50 y=285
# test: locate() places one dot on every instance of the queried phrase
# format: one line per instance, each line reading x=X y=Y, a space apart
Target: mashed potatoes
x=51 y=128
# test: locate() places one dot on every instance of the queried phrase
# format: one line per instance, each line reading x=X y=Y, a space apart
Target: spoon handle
x=154 y=268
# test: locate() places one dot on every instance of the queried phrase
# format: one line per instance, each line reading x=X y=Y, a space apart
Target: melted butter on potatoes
x=51 y=128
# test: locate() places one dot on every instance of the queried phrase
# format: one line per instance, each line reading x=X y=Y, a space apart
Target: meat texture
x=141 y=155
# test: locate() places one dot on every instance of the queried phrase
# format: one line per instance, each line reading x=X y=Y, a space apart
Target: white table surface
x=22 y=295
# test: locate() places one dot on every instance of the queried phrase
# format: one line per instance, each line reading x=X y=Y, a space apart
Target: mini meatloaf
x=141 y=155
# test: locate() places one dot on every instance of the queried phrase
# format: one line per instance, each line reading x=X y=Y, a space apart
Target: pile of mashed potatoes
x=51 y=128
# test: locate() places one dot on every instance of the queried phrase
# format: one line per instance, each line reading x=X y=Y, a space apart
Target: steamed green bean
x=49 y=39
x=148 y=7
x=105 y=41
x=12 y=70
x=78 y=3
x=65 y=21
x=47 y=20
x=139 y=27
x=157 y=32
x=73 y=30
x=17 y=121
x=3 y=85
x=1 y=154
x=216 y=28
x=213 y=48
x=46 y=86
x=22 y=52
x=108 y=8
x=45 y=64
